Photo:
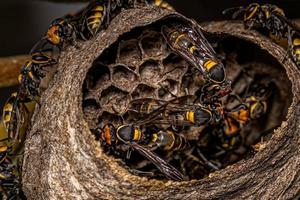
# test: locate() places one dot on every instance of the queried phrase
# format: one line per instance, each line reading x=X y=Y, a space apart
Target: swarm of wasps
x=145 y=135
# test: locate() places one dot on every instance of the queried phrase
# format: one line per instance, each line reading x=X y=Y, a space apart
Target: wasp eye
x=60 y=31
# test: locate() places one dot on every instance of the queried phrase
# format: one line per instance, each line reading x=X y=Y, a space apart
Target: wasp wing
x=183 y=52
x=168 y=170
x=290 y=23
x=147 y=105
x=203 y=43
x=157 y=113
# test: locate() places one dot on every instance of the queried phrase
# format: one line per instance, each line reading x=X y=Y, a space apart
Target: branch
x=10 y=69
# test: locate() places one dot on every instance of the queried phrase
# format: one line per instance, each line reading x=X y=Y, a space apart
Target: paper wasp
x=9 y=176
x=190 y=43
x=135 y=136
x=272 y=19
x=93 y=16
x=260 y=16
x=252 y=107
x=13 y=115
x=179 y=113
x=31 y=73
x=161 y=4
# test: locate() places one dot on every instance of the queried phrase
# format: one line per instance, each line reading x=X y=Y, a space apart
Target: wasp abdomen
x=216 y=70
x=95 y=17
x=296 y=48
x=168 y=140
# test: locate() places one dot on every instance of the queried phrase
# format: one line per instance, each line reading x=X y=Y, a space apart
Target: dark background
x=24 y=22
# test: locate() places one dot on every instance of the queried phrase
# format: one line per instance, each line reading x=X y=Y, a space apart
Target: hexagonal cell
x=150 y=71
x=92 y=110
x=124 y=78
x=107 y=117
x=192 y=81
x=174 y=66
x=152 y=44
x=129 y=53
x=98 y=77
x=169 y=89
x=114 y=100
x=143 y=91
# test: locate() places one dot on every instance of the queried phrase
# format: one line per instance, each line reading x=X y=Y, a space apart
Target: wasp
x=9 y=176
x=135 y=137
x=294 y=47
x=211 y=93
x=265 y=16
x=82 y=25
x=253 y=107
x=161 y=4
x=93 y=17
x=32 y=73
x=272 y=19
x=13 y=115
x=61 y=32
x=179 y=113
x=190 y=43
x=132 y=136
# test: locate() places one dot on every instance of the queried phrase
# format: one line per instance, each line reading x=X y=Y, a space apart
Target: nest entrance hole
x=121 y=73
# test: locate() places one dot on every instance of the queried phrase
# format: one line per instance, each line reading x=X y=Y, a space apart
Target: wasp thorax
x=127 y=133
x=217 y=73
x=52 y=35
x=202 y=116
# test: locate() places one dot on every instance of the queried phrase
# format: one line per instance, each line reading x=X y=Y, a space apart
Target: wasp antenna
x=232 y=10
x=238 y=13
x=128 y=155
x=235 y=11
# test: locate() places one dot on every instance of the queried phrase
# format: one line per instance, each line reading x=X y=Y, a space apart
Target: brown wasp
x=135 y=136
x=190 y=43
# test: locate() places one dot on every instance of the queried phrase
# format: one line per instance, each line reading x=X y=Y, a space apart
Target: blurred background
x=24 y=22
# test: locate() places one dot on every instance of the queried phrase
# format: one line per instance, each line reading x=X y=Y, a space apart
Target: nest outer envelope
x=62 y=160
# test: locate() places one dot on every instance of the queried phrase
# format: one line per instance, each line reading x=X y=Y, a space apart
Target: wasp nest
x=131 y=60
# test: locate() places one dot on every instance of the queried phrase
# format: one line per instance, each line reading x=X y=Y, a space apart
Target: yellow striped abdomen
x=296 y=49
x=95 y=18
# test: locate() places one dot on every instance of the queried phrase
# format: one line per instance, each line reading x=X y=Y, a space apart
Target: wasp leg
x=167 y=90
x=139 y=172
x=207 y=162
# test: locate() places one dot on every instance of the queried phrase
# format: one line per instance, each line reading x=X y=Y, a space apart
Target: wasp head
x=108 y=133
x=54 y=34
x=254 y=16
